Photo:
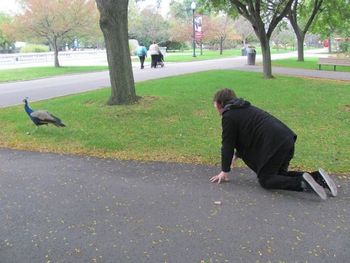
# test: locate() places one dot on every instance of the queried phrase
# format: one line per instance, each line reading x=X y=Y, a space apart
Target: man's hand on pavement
x=220 y=177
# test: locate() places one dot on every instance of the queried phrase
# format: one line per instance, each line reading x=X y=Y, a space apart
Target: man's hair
x=223 y=96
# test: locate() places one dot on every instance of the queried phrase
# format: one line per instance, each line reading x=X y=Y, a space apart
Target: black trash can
x=244 y=51
x=251 y=53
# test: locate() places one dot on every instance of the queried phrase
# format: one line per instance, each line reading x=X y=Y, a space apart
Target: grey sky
x=10 y=6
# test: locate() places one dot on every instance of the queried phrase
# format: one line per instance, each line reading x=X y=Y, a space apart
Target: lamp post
x=193 y=7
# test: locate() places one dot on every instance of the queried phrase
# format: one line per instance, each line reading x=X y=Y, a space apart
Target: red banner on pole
x=198 y=28
x=198 y=36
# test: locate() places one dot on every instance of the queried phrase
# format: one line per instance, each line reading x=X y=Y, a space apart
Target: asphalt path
x=62 y=208
x=13 y=93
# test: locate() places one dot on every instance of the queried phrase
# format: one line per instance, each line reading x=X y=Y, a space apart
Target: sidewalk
x=322 y=74
x=62 y=208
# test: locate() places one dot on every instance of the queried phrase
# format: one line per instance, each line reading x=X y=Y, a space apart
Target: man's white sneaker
x=329 y=182
x=312 y=184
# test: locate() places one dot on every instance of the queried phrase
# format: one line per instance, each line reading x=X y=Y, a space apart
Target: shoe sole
x=315 y=186
x=331 y=184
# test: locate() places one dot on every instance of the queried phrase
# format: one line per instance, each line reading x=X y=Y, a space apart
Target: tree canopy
x=55 y=20
x=148 y=26
x=334 y=18
x=6 y=38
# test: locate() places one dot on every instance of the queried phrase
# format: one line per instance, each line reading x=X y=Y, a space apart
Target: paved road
x=13 y=93
x=61 y=208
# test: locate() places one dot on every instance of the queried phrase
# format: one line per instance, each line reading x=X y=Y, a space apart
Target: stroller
x=160 y=59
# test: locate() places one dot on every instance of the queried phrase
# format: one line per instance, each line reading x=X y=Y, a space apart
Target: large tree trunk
x=114 y=25
x=300 y=38
x=266 y=54
x=299 y=32
x=329 y=45
x=55 y=50
x=264 y=39
x=221 y=44
x=265 y=49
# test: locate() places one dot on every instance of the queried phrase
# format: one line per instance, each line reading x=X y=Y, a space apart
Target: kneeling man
x=266 y=145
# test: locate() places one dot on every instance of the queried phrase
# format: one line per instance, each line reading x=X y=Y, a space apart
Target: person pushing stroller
x=154 y=52
x=156 y=55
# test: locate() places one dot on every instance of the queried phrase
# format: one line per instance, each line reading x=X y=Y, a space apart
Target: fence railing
x=21 y=58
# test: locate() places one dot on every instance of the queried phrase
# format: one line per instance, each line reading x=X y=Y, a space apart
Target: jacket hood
x=236 y=104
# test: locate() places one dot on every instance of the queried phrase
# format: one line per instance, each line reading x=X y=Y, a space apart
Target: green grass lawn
x=42 y=72
x=207 y=54
x=309 y=63
x=175 y=120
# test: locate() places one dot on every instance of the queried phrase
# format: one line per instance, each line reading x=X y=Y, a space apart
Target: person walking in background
x=266 y=145
x=154 y=52
x=141 y=52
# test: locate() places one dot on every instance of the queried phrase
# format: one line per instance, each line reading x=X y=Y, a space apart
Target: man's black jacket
x=253 y=133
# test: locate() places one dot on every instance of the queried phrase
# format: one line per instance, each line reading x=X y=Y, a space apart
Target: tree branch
x=277 y=18
x=317 y=7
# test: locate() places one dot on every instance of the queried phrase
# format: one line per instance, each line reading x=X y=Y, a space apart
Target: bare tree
x=244 y=28
x=114 y=25
x=218 y=29
x=264 y=15
x=6 y=36
x=148 y=26
x=283 y=36
x=54 y=20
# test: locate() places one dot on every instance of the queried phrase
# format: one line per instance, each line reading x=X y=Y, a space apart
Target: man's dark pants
x=154 y=61
x=275 y=174
x=142 y=60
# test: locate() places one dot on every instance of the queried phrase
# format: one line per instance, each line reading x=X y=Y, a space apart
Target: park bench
x=333 y=62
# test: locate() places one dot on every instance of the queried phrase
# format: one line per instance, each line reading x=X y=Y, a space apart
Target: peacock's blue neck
x=27 y=109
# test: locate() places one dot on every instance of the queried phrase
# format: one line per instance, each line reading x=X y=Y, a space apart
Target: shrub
x=133 y=44
x=344 y=47
x=30 y=48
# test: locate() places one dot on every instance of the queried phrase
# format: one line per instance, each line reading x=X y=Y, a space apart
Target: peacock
x=41 y=117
